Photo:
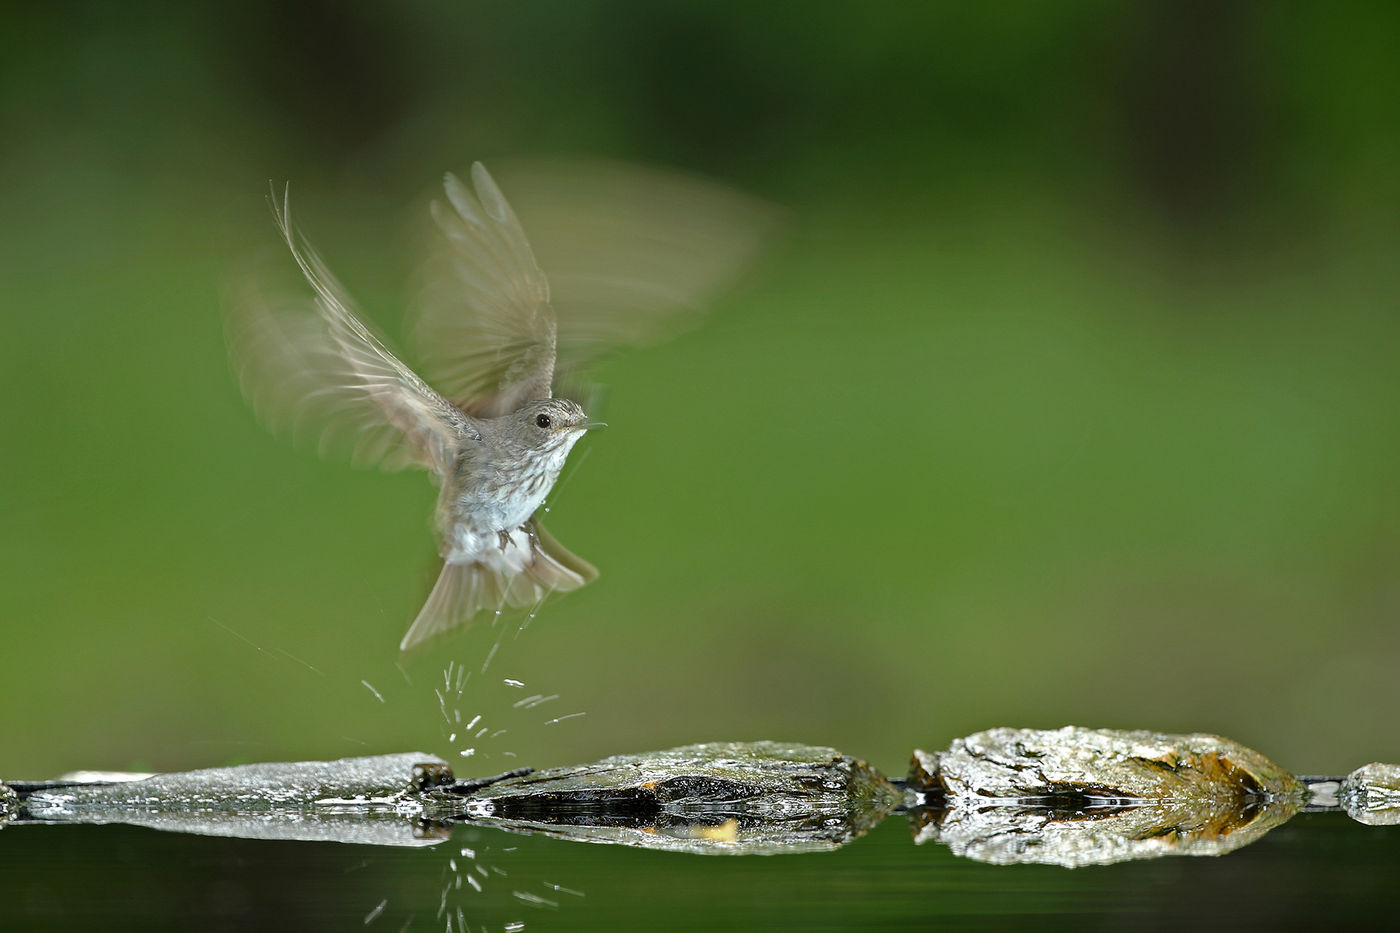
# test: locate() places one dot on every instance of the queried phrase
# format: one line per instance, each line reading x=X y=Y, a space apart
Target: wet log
x=358 y=800
x=719 y=798
x=1099 y=764
x=1075 y=796
x=1371 y=794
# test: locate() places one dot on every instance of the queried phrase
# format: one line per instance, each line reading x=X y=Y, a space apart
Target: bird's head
x=553 y=422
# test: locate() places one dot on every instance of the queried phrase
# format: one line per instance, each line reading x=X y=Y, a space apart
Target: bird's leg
x=504 y=539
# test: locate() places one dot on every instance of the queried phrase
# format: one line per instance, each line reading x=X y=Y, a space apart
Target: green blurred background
x=1069 y=393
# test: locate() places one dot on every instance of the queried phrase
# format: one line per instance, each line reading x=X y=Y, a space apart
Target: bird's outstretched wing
x=486 y=329
x=326 y=371
x=628 y=251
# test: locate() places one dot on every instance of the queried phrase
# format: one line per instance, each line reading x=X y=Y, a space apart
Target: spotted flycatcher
x=494 y=438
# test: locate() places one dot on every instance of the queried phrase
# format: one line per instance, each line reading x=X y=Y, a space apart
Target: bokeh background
x=1068 y=394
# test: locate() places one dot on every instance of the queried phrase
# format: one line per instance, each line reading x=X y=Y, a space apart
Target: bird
x=496 y=437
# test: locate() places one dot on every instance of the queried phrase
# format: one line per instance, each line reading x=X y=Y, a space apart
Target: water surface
x=1320 y=868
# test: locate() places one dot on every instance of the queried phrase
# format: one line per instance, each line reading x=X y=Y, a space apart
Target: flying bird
x=634 y=248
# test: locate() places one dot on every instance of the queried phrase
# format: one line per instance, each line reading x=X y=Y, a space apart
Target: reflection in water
x=476 y=885
x=1017 y=833
x=1069 y=797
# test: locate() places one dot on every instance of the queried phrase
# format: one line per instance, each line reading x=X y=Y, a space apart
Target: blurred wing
x=484 y=326
x=328 y=371
x=629 y=251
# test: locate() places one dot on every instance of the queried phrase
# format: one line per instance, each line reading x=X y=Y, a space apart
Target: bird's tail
x=465 y=589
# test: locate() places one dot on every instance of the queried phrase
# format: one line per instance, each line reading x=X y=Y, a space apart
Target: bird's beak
x=590 y=425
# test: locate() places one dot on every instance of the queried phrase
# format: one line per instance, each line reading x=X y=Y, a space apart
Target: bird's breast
x=493 y=498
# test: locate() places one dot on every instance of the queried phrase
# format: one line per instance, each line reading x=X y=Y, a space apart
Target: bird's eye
x=543 y=421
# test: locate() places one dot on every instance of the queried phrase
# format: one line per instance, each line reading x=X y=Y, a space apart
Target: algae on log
x=721 y=798
x=1371 y=794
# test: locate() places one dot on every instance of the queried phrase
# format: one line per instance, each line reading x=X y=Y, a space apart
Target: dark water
x=1320 y=870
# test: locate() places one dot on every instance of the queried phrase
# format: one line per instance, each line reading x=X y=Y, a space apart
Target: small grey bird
x=496 y=438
